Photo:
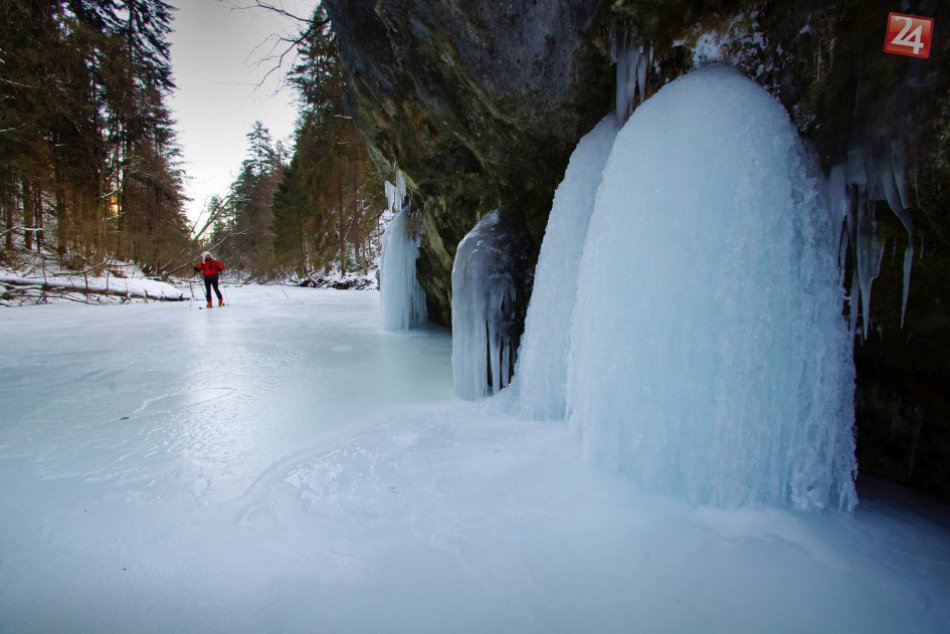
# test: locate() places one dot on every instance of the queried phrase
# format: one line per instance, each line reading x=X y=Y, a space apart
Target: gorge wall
x=481 y=104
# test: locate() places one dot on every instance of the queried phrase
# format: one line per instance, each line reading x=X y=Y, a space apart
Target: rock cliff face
x=481 y=104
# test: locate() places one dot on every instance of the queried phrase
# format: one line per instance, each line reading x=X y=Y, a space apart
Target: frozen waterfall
x=483 y=309
x=709 y=355
x=402 y=300
x=542 y=363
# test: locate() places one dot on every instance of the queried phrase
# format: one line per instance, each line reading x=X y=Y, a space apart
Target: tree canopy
x=326 y=206
x=89 y=161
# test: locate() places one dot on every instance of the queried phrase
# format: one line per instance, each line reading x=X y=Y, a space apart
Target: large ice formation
x=709 y=355
x=402 y=300
x=542 y=362
x=483 y=309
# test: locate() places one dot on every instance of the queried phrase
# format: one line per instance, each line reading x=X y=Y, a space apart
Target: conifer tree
x=87 y=149
x=326 y=206
x=250 y=206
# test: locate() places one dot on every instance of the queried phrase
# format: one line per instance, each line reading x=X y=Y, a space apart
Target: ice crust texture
x=709 y=358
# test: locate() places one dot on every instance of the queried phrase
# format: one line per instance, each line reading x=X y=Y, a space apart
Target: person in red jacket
x=209 y=269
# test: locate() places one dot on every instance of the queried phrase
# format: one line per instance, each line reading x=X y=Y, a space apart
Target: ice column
x=402 y=300
x=483 y=310
x=709 y=356
x=541 y=376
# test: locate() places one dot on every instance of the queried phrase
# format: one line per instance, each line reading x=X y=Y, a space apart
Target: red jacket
x=209 y=267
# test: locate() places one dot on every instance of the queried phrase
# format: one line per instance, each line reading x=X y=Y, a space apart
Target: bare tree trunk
x=27 y=214
x=62 y=226
x=342 y=255
x=8 y=204
x=38 y=213
x=121 y=162
x=99 y=216
x=304 y=269
x=341 y=232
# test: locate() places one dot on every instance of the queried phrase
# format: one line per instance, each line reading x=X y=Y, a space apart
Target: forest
x=91 y=170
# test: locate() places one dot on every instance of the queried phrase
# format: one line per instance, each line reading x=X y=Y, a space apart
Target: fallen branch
x=214 y=213
x=57 y=285
x=213 y=246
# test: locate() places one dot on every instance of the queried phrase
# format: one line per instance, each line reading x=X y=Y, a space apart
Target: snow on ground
x=121 y=286
x=39 y=279
x=283 y=465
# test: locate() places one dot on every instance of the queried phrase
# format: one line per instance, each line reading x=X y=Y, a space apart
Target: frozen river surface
x=282 y=465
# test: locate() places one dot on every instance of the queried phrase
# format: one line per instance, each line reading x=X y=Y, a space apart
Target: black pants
x=212 y=280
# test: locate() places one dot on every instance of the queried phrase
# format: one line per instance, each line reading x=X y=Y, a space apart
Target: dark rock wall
x=481 y=103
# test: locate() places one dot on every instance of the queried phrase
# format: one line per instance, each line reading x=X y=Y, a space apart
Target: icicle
x=900 y=177
x=631 y=73
x=400 y=186
x=837 y=201
x=905 y=292
x=869 y=253
x=854 y=299
x=856 y=169
x=895 y=190
x=641 y=75
x=633 y=61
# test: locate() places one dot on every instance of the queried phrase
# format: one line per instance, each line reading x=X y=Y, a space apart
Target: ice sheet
x=280 y=465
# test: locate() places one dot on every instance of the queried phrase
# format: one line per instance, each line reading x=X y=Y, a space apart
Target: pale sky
x=218 y=57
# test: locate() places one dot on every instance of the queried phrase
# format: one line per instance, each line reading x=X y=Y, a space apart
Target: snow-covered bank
x=99 y=285
x=283 y=465
x=40 y=279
